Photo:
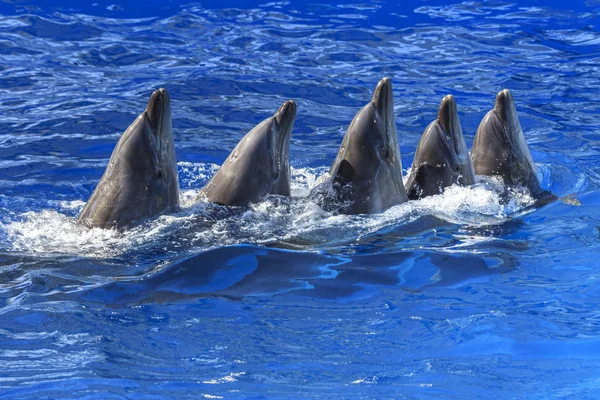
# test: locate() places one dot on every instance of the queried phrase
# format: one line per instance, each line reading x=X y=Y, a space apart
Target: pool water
x=460 y=295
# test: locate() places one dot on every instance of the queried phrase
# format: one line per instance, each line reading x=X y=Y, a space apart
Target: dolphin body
x=442 y=158
x=500 y=149
x=259 y=164
x=141 y=179
x=366 y=176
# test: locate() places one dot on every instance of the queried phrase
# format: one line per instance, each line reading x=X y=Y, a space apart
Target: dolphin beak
x=157 y=105
x=158 y=112
x=507 y=112
x=504 y=104
x=284 y=117
x=505 y=108
x=286 y=114
x=383 y=101
x=448 y=119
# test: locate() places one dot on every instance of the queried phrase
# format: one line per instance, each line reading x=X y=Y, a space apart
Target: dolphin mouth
x=284 y=117
x=384 y=104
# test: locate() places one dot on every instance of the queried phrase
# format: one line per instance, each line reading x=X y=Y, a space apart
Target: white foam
x=202 y=225
x=304 y=179
x=50 y=232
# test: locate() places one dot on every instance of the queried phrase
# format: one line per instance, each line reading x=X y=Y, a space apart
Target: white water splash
x=202 y=225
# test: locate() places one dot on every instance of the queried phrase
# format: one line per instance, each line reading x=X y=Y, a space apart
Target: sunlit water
x=460 y=295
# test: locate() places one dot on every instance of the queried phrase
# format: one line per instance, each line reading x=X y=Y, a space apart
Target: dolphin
x=442 y=158
x=366 y=175
x=141 y=179
x=500 y=149
x=259 y=164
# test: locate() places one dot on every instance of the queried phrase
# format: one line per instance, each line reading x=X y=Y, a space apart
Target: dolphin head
x=369 y=156
x=500 y=149
x=371 y=139
x=258 y=165
x=505 y=108
x=525 y=169
x=141 y=178
x=442 y=158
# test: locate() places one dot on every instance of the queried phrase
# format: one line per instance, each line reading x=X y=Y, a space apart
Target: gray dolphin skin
x=368 y=160
x=442 y=158
x=141 y=178
x=259 y=164
x=500 y=148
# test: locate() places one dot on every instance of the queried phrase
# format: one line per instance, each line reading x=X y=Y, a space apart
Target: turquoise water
x=453 y=296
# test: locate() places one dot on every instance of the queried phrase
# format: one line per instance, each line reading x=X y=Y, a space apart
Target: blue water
x=455 y=296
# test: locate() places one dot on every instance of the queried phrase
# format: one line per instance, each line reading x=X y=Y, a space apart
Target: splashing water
x=52 y=232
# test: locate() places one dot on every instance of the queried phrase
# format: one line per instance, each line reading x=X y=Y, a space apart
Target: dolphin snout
x=157 y=105
x=447 y=113
x=505 y=94
x=504 y=103
x=286 y=112
x=284 y=117
x=383 y=95
x=448 y=101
